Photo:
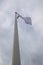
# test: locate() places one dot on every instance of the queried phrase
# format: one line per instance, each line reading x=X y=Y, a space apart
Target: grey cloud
x=6 y=47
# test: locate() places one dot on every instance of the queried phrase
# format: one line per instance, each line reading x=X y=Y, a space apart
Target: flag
x=27 y=20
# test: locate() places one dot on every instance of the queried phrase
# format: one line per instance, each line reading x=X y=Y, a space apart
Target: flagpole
x=16 y=52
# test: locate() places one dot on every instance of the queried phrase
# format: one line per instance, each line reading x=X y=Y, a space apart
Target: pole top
x=26 y=19
x=15 y=12
x=17 y=15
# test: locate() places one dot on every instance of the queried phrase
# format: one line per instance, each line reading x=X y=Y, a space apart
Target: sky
x=30 y=36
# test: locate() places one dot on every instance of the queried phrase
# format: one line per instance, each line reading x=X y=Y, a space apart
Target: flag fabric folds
x=26 y=19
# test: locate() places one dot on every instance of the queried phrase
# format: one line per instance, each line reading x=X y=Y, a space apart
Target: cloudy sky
x=30 y=37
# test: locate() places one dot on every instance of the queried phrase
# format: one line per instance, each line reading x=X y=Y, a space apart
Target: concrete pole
x=16 y=52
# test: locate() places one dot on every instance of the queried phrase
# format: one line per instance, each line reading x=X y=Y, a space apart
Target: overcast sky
x=30 y=37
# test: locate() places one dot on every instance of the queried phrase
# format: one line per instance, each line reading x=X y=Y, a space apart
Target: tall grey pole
x=16 y=52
